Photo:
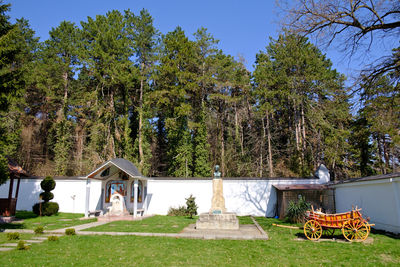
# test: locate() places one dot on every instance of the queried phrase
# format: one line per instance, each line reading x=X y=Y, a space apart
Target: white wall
x=255 y=197
x=30 y=189
x=245 y=197
x=379 y=200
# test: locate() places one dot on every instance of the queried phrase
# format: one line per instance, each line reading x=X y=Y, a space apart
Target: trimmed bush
x=296 y=211
x=48 y=184
x=46 y=196
x=47 y=208
x=70 y=231
x=39 y=230
x=13 y=236
x=22 y=245
x=52 y=238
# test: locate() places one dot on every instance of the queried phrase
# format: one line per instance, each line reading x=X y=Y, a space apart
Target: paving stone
x=34 y=241
x=6 y=249
x=9 y=245
x=39 y=238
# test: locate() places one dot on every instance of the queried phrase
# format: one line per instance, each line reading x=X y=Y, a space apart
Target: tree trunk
x=270 y=164
x=222 y=148
x=140 y=130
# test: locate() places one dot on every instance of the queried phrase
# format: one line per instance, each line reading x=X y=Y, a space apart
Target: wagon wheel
x=329 y=232
x=355 y=230
x=312 y=230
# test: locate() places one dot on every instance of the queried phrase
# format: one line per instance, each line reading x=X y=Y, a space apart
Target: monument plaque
x=217 y=217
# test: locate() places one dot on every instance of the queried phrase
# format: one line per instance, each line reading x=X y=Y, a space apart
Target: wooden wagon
x=354 y=227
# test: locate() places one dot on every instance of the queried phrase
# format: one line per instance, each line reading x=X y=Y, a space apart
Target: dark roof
x=126 y=166
x=370 y=178
x=284 y=187
x=122 y=164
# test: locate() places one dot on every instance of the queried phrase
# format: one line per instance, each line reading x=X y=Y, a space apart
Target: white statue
x=117 y=204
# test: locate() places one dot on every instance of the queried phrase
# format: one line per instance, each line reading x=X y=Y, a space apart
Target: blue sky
x=243 y=27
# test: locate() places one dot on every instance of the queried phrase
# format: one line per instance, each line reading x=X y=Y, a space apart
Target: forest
x=175 y=104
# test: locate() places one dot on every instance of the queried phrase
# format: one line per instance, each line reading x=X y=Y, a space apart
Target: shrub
x=180 y=211
x=48 y=184
x=13 y=236
x=53 y=238
x=296 y=211
x=70 y=231
x=39 y=230
x=189 y=210
x=191 y=206
x=22 y=245
x=48 y=208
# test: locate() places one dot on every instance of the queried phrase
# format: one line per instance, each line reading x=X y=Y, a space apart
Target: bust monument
x=217 y=217
x=217 y=173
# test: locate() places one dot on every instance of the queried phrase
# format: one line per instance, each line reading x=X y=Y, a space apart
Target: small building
x=119 y=175
x=320 y=196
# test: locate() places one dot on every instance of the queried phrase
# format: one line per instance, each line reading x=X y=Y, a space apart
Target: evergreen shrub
x=47 y=208
x=70 y=231
x=22 y=245
x=13 y=236
x=191 y=206
x=39 y=230
x=52 y=238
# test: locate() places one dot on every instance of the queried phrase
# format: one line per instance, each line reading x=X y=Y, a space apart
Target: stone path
x=78 y=227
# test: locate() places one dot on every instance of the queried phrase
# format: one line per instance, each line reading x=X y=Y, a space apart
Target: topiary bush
x=13 y=236
x=296 y=211
x=46 y=208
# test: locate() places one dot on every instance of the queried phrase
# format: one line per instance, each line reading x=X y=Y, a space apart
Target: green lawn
x=281 y=250
x=31 y=221
x=155 y=224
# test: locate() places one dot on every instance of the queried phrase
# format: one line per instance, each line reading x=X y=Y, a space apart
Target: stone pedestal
x=224 y=221
x=218 y=218
x=218 y=200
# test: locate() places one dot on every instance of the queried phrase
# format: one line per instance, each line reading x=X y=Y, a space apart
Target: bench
x=96 y=213
x=140 y=212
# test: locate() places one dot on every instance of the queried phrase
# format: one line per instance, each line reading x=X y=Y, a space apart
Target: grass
x=280 y=250
x=31 y=221
x=155 y=224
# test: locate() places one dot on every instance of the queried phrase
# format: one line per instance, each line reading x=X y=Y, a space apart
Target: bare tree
x=354 y=23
